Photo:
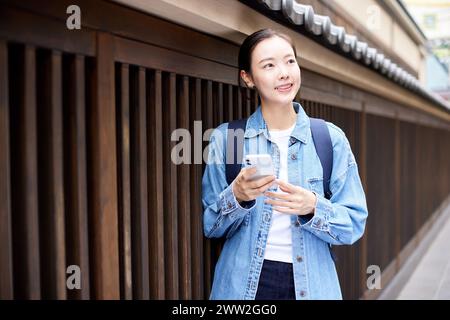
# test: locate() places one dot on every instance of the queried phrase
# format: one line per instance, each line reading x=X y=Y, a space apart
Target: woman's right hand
x=246 y=190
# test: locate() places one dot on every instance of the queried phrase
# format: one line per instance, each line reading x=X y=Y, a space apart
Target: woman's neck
x=278 y=117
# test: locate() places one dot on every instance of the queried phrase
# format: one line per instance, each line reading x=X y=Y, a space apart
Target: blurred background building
x=433 y=17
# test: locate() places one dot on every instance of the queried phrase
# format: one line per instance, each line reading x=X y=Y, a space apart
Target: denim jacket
x=338 y=221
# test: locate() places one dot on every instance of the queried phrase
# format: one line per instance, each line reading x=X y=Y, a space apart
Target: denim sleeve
x=222 y=213
x=342 y=219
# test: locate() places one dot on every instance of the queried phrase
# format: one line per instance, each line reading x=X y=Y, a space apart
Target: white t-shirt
x=279 y=241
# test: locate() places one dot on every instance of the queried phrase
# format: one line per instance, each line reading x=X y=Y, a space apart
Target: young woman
x=271 y=251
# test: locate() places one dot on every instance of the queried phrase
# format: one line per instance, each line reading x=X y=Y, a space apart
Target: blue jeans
x=276 y=281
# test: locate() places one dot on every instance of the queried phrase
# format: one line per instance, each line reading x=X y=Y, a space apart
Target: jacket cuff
x=229 y=203
x=320 y=219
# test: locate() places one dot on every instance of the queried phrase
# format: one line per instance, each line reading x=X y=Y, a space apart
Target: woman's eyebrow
x=265 y=59
x=270 y=58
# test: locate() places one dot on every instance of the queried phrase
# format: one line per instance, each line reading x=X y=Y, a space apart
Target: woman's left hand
x=293 y=200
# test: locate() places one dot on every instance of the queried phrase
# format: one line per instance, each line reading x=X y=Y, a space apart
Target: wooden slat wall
x=50 y=177
x=124 y=197
x=209 y=245
x=407 y=181
x=183 y=177
x=170 y=190
x=362 y=160
x=103 y=174
x=24 y=186
x=139 y=193
x=75 y=166
x=197 y=239
x=156 y=178
x=86 y=167
x=381 y=199
x=6 y=271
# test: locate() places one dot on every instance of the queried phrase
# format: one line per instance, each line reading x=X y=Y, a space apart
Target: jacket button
x=297 y=224
x=293 y=156
x=299 y=259
x=229 y=205
x=318 y=223
x=302 y=293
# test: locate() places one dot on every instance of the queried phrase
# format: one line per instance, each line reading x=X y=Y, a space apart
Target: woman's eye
x=292 y=61
x=269 y=65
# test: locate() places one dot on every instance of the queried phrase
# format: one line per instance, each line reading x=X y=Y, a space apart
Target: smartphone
x=263 y=164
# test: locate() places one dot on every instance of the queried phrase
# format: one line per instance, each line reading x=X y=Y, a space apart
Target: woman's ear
x=247 y=78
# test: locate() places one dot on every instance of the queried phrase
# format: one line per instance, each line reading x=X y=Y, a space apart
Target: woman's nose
x=283 y=73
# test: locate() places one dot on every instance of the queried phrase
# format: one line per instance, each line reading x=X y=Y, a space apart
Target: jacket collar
x=257 y=125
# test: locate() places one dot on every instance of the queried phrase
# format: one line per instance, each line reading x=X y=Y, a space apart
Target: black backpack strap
x=233 y=169
x=324 y=148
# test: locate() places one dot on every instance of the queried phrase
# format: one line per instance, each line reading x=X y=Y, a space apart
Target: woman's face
x=274 y=71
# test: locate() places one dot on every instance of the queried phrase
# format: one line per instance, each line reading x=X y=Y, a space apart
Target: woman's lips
x=284 y=87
